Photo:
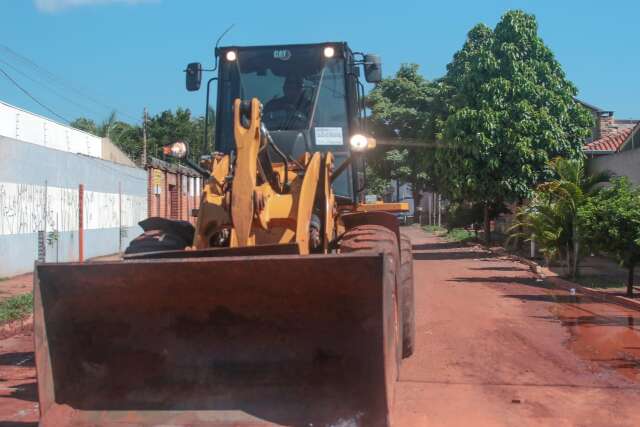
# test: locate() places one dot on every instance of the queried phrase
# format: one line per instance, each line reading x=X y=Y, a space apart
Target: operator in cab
x=292 y=110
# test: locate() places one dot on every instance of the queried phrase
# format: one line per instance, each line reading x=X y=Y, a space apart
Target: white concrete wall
x=39 y=192
x=34 y=129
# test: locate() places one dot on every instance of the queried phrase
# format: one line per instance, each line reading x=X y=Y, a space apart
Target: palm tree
x=550 y=219
x=105 y=128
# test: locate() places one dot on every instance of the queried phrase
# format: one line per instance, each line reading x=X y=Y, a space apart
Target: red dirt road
x=497 y=348
x=494 y=348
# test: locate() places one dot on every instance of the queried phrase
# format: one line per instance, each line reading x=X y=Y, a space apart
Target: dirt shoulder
x=16 y=285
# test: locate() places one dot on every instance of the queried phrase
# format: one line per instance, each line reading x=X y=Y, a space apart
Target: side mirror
x=194 y=76
x=372 y=68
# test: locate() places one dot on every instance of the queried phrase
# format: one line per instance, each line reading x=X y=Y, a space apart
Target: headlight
x=231 y=56
x=358 y=142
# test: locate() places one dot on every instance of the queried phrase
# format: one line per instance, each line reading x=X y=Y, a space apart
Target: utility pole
x=144 y=138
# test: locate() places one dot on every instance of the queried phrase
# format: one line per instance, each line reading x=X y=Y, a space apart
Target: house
x=613 y=145
x=173 y=190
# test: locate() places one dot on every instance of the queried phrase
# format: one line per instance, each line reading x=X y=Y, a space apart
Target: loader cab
x=311 y=95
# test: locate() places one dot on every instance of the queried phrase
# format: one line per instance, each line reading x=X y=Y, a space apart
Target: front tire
x=408 y=302
x=379 y=239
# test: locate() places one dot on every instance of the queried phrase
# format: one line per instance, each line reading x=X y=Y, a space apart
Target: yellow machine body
x=260 y=332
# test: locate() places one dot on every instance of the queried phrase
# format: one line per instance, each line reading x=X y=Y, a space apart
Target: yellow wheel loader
x=292 y=302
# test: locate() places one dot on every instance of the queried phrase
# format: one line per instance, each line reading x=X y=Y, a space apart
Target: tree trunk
x=487 y=225
x=630 y=280
x=433 y=211
x=417 y=198
x=576 y=250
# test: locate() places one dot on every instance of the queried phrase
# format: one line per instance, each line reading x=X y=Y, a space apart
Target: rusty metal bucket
x=259 y=340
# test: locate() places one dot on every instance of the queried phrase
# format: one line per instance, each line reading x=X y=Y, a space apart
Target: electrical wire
x=53 y=78
x=26 y=92
x=81 y=107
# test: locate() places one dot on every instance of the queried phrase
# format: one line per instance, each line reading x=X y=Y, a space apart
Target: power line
x=81 y=107
x=60 y=81
x=26 y=92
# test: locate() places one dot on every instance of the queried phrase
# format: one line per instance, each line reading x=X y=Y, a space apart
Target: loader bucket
x=239 y=341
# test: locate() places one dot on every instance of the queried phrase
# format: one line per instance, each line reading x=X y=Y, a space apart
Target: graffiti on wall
x=27 y=208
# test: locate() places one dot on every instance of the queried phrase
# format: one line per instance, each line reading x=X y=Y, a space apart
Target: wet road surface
x=495 y=347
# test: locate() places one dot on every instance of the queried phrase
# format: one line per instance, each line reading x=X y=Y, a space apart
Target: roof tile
x=609 y=143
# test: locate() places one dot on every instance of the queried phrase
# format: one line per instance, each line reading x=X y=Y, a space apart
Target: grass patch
x=2 y=279
x=434 y=229
x=16 y=307
x=459 y=235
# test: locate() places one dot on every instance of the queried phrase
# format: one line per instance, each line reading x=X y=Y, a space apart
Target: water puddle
x=606 y=334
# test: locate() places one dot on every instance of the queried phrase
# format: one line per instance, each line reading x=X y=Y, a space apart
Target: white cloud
x=56 y=5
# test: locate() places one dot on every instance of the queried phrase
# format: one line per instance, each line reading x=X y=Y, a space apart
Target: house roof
x=154 y=163
x=610 y=143
x=592 y=107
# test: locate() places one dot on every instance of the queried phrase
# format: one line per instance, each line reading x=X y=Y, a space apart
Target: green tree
x=610 y=221
x=128 y=138
x=125 y=136
x=506 y=109
x=85 y=124
x=106 y=127
x=167 y=127
x=401 y=112
x=377 y=184
x=551 y=216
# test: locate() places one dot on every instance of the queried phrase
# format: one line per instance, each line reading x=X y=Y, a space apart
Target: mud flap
x=285 y=340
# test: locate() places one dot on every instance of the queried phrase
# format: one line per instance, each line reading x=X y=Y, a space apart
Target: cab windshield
x=303 y=95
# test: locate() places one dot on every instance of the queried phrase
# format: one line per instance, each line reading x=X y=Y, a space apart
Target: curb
x=555 y=280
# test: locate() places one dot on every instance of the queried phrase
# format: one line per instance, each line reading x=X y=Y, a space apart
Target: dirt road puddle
x=603 y=333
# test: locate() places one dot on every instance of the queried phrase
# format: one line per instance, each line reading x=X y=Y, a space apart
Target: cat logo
x=282 y=54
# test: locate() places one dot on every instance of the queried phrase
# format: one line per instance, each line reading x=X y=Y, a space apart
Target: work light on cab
x=178 y=149
x=329 y=51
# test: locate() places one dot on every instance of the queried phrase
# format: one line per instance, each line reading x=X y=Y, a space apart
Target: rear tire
x=408 y=303
x=161 y=234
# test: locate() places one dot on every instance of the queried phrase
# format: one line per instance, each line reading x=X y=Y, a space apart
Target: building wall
x=114 y=154
x=624 y=163
x=39 y=191
x=173 y=192
x=25 y=126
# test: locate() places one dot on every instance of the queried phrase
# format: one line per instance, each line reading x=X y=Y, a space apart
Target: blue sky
x=128 y=54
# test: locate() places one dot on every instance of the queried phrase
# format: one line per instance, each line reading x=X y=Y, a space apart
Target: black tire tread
x=408 y=301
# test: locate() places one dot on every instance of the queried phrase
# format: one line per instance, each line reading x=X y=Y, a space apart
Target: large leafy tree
x=507 y=108
x=611 y=224
x=401 y=111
